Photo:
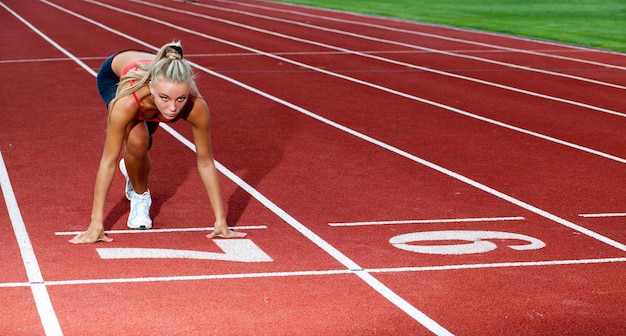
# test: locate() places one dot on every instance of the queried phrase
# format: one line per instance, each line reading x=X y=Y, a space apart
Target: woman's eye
x=181 y=99
x=163 y=98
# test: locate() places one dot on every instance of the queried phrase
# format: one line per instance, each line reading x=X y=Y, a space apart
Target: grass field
x=593 y=23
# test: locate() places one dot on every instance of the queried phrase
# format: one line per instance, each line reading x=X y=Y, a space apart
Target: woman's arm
x=119 y=118
x=200 y=121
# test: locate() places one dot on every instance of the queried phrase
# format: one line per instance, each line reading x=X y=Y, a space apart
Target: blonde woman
x=141 y=90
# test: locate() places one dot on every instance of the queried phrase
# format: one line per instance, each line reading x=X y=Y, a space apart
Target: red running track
x=395 y=178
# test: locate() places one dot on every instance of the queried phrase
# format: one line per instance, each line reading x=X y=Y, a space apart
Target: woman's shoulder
x=125 y=107
x=196 y=111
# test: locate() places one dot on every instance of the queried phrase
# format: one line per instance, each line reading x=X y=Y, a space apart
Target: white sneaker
x=129 y=187
x=139 y=217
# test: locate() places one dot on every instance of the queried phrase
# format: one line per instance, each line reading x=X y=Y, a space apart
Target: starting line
x=429 y=221
x=64 y=233
x=600 y=215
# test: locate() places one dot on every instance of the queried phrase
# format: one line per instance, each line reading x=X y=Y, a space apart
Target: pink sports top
x=133 y=66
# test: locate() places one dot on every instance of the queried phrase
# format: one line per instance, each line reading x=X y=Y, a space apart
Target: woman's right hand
x=95 y=233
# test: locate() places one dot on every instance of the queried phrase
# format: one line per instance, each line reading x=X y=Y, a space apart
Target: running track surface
x=395 y=178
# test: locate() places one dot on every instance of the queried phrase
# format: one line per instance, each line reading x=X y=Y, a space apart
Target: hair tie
x=178 y=49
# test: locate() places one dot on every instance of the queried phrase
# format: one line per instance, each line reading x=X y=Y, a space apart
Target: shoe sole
x=140 y=228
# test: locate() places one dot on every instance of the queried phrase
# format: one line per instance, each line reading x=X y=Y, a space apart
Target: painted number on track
x=241 y=250
x=475 y=241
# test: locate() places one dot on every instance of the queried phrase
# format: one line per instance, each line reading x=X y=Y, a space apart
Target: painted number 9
x=475 y=241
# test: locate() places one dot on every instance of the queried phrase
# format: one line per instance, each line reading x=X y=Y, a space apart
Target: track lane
x=295 y=145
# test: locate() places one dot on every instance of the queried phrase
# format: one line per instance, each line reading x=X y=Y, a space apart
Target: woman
x=140 y=90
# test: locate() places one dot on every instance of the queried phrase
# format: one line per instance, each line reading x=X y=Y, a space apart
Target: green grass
x=592 y=23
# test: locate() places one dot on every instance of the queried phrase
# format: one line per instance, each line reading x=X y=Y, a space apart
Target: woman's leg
x=137 y=157
x=137 y=163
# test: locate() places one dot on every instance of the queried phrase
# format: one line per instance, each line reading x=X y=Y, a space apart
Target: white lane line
x=235 y=54
x=428 y=221
x=129 y=231
x=323 y=272
x=600 y=215
x=35 y=279
x=498 y=265
x=45 y=309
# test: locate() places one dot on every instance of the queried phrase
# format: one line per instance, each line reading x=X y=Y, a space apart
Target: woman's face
x=169 y=96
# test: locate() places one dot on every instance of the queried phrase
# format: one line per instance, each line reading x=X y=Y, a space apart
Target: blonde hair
x=168 y=64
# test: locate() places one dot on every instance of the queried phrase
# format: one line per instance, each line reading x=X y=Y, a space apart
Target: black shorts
x=107 y=80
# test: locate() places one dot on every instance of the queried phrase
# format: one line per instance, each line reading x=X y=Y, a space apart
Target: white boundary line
x=498 y=265
x=282 y=53
x=427 y=221
x=323 y=272
x=46 y=312
x=600 y=215
x=67 y=233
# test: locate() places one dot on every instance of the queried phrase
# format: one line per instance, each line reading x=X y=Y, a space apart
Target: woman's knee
x=138 y=141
